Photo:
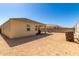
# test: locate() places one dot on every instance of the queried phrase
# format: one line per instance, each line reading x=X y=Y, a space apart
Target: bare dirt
x=54 y=44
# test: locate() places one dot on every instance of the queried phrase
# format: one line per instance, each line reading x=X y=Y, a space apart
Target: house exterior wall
x=19 y=28
x=5 y=29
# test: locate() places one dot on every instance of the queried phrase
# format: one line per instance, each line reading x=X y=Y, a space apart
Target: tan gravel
x=54 y=44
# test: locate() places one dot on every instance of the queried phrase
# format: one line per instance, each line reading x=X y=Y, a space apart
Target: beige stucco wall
x=5 y=29
x=19 y=28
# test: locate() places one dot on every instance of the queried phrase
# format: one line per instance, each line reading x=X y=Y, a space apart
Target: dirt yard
x=42 y=45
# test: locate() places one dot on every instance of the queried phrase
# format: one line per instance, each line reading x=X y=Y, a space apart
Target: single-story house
x=20 y=27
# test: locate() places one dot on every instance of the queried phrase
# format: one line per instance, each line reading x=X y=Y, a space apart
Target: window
x=36 y=28
x=39 y=27
x=28 y=27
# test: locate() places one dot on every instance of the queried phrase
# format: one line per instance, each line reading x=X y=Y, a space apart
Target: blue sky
x=63 y=14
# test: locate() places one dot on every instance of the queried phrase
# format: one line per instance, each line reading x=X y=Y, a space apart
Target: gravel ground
x=53 y=44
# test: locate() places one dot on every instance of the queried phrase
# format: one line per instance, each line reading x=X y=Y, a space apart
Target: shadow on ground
x=22 y=40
